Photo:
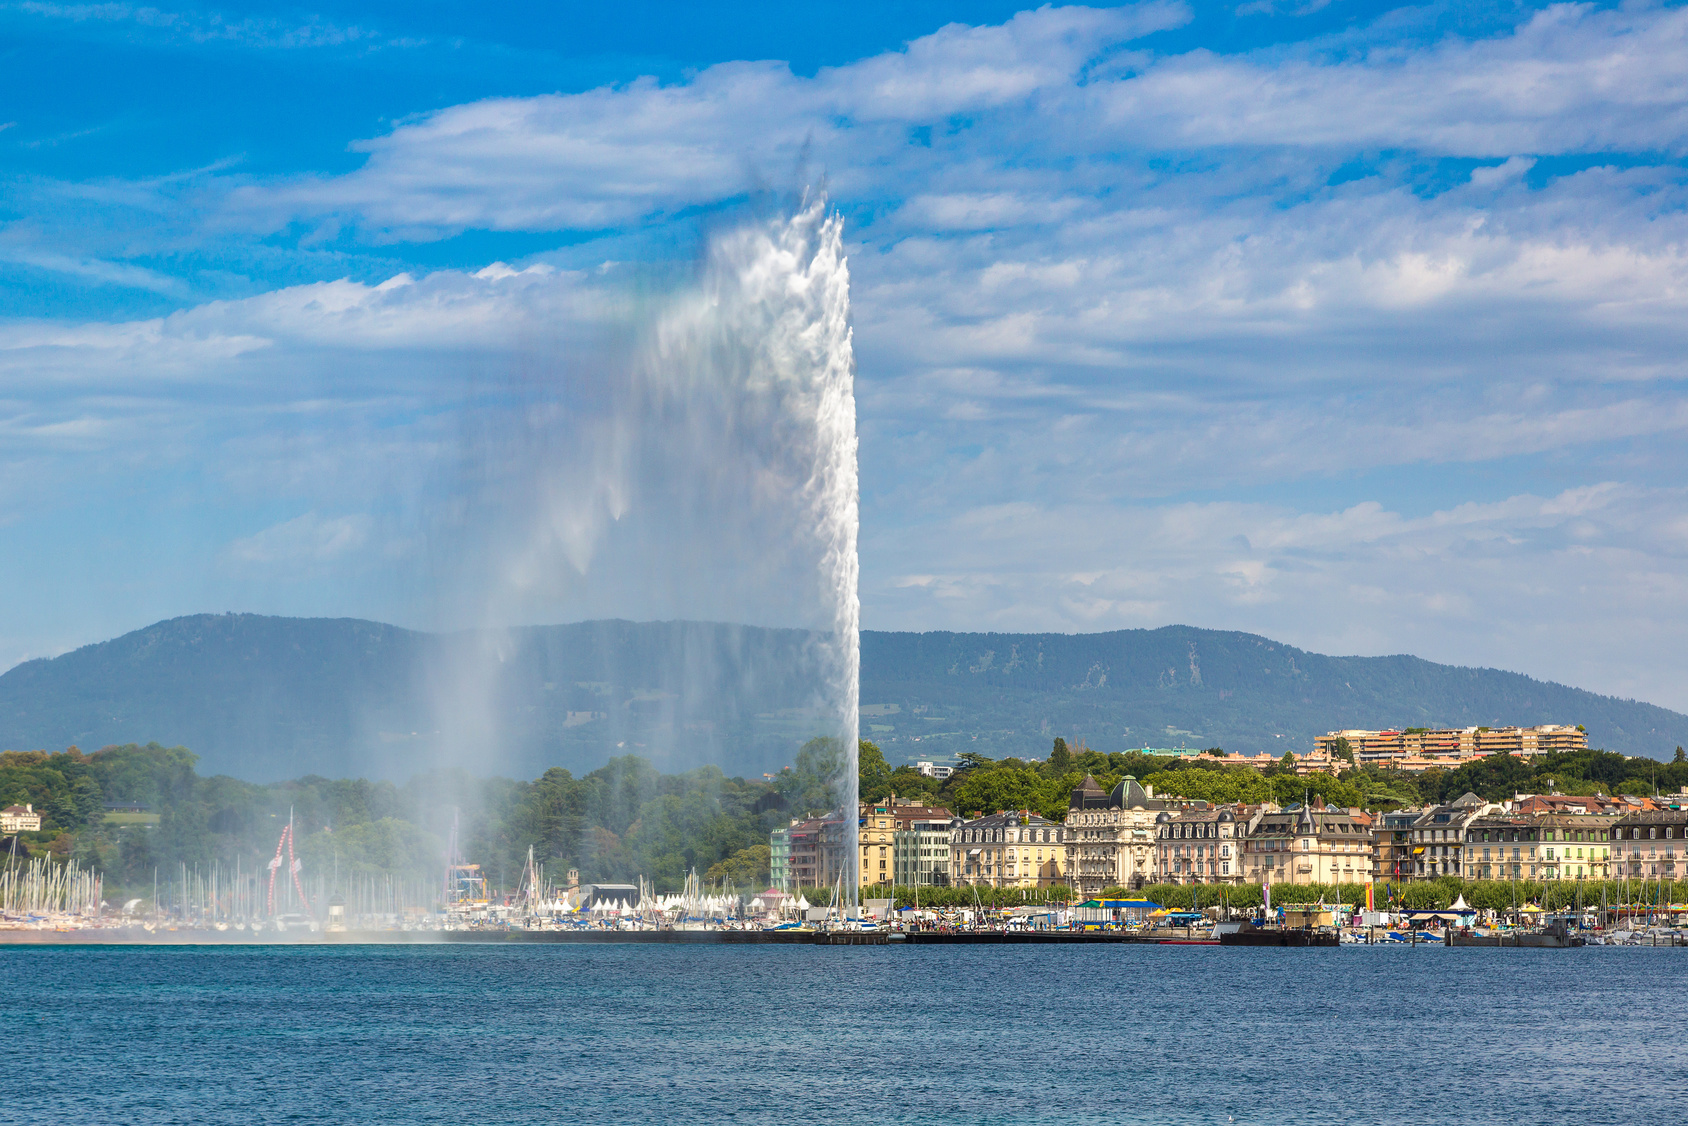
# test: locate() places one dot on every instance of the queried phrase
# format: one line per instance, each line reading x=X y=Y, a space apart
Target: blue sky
x=1356 y=325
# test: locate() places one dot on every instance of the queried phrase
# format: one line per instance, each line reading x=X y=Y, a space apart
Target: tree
x=1061 y=759
x=812 y=784
x=1494 y=777
x=1342 y=749
x=873 y=773
x=1680 y=757
x=1002 y=788
x=746 y=867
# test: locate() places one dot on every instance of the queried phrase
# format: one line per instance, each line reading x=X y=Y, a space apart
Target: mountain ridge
x=270 y=697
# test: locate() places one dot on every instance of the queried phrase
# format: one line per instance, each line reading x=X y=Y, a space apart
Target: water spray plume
x=695 y=466
x=768 y=341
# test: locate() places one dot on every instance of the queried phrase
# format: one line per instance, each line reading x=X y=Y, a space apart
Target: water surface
x=704 y=1035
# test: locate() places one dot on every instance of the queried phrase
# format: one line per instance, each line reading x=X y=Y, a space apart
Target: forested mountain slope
x=267 y=698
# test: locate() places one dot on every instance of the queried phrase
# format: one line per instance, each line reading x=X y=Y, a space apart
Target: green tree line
x=614 y=824
x=983 y=785
x=1422 y=895
x=627 y=819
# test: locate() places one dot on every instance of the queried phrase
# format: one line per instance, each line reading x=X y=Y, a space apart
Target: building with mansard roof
x=1439 y=835
x=1012 y=849
x=1651 y=844
x=1199 y=845
x=1111 y=836
x=1308 y=844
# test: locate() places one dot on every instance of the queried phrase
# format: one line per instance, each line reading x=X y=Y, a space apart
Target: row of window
x=996 y=836
x=1177 y=831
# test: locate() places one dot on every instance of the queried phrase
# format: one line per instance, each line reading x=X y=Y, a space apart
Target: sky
x=1356 y=325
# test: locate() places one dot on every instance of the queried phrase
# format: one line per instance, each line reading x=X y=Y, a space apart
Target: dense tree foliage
x=626 y=819
x=618 y=822
x=248 y=693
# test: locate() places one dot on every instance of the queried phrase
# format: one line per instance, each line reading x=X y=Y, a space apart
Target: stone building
x=1010 y=849
x=874 y=838
x=1575 y=846
x=1309 y=845
x=1651 y=844
x=1439 y=835
x=1199 y=846
x=20 y=819
x=1111 y=836
x=1501 y=846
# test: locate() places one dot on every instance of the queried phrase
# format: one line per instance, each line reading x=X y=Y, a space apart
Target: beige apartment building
x=1014 y=849
x=1309 y=845
x=1651 y=844
x=1500 y=846
x=1111 y=836
x=1422 y=748
x=1199 y=846
x=20 y=819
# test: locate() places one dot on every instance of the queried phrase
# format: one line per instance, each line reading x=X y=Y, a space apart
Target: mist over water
x=691 y=457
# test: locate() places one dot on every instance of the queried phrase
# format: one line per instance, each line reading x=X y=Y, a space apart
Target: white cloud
x=1086 y=276
x=1503 y=584
x=618 y=154
x=211 y=27
x=1572 y=79
x=226 y=343
x=1023 y=100
x=303 y=541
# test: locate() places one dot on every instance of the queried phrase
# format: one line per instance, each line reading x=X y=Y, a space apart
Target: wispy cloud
x=1278 y=339
x=214 y=27
x=123 y=274
x=302 y=541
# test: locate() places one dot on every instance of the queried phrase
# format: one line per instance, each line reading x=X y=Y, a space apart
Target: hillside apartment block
x=1419 y=748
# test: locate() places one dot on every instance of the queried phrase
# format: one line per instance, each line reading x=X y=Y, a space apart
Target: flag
x=297 y=866
x=276 y=863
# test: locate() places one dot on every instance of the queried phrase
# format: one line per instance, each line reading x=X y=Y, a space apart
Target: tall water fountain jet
x=761 y=357
x=697 y=463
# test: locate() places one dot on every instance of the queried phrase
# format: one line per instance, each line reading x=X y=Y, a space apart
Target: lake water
x=704 y=1035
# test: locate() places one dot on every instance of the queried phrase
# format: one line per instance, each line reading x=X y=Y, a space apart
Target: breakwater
x=137 y=936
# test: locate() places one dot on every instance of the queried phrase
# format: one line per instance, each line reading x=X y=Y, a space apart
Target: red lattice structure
x=294 y=865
